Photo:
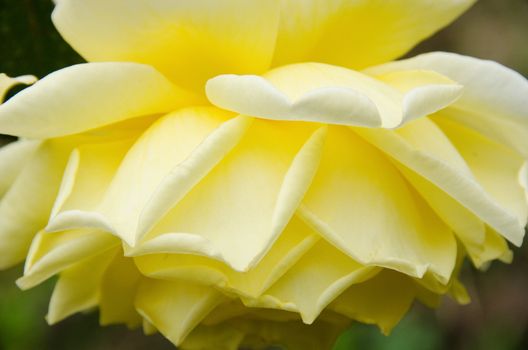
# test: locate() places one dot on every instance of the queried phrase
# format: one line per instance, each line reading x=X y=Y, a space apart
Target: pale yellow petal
x=494 y=247
x=240 y=208
x=421 y=147
x=467 y=226
x=320 y=335
x=313 y=282
x=88 y=174
x=148 y=164
x=87 y=96
x=175 y=308
x=25 y=208
x=429 y=282
x=382 y=300
x=190 y=41
x=334 y=95
x=149 y=180
x=234 y=308
x=148 y=328
x=425 y=92
x=291 y=245
x=78 y=287
x=360 y=202
x=523 y=178
x=119 y=285
x=495 y=166
x=13 y=157
x=7 y=82
x=494 y=97
x=221 y=337
x=53 y=252
x=358 y=33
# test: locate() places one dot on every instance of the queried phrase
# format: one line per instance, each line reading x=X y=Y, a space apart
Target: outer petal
x=481 y=243
x=494 y=98
x=13 y=158
x=119 y=285
x=189 y=41
x=175 y=308
x=51 y=253
x=382 y=300
x=123 y=189
x=78 y=287
x=423 y=148
x=523 y=178
x=494 y=247
x=292 y=244
x=90 y=169
x=495 y=166
x=263 y=180
x=221 y=337
x=334 y=95
x=258 y=334
x=315 y=281
x=358 y=33
x=25 y=208
x=360 y=202
x=87 y=96
x=7 y=83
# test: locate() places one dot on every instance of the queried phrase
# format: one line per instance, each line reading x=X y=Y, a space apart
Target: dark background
x=497 y=319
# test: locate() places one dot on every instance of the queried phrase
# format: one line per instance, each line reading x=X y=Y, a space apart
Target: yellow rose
x=205 y=180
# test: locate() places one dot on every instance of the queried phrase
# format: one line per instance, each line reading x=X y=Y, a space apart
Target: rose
x=307 y=192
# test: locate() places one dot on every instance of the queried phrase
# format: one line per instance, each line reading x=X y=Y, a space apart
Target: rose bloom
x=203 y=177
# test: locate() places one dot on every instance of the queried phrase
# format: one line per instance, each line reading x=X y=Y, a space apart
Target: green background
x=496 y=319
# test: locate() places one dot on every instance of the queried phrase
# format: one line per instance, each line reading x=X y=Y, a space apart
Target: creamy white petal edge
x=493 y=99
x=329 y=94
x=87 y=96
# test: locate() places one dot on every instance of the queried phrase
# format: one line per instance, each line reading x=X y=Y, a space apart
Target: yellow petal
x=6 y=83
x=360 y=202
x=78 y=287
x=358 y=34
x=148 y=164
x=175 y=308
x=382 y=300
x=429 y=282
x=291 y=245
x=149 y=180
x=88 y=174
x=87 y=96
x=222 y=337
x=421 y=147
x=495 y=166
x=148 y=328
x=312 y=283
x=494 y=97
x=494 y=247
x=523 y=178
x=253 y=333
x=25 y=208
x=334 y=95
x=467 y=226
x=50 y=253
x=13 y=157
x=118 y=291
x=189 y=41
x=425 y=92
x=240 y=208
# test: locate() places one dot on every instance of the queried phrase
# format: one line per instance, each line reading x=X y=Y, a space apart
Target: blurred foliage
x=29 y=44
x=497 y=319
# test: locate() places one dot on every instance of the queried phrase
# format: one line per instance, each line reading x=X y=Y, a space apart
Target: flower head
x=204 y=178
